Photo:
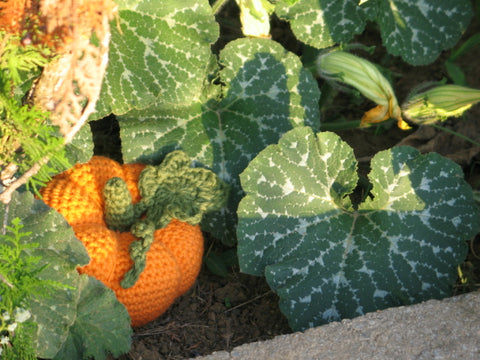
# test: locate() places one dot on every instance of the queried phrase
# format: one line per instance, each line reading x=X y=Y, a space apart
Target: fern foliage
x=20 y=280
x=26 y=134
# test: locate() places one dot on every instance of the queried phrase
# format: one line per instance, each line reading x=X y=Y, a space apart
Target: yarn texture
x=140 y=225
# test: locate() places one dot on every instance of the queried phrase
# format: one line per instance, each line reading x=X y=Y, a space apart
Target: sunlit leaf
x=328 y=259
x=267 y=92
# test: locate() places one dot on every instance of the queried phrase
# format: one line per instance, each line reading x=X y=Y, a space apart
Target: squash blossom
x=366 y=78
x=439 y=103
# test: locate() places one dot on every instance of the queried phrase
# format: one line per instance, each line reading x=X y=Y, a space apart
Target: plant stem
x=6 y=282
x=466 y=138
x=6 y=196
x=340 y=125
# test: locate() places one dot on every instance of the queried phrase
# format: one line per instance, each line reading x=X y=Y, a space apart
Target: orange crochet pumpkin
x=173 y=259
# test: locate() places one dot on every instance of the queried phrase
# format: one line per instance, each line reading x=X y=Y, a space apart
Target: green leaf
x=267 y=92
x=62 y=252
x=328 y=260
x=419 y=32
x=162 y=46
x=57 y=315
x=80 y=149
x=416 y=31
x=221 y=264
x=56 y=239
x=323 y=23
x=455 y=73
x=95 y=332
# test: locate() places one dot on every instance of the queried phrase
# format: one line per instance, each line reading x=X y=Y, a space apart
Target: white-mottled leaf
x=63 y=252
x=266 y=93
x=418 y=31
x=323 y=23
x=163 y=46
x=61 y=316
x=80 y=149
x=329 y=260
x=95 y=332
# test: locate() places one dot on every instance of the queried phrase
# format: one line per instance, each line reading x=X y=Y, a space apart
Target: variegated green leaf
x=160 y=47
x=329 y=259
x=61 y=315
x=63 y=252
x=95 y=331
x=418 y=31
x=266 y=93
x=80 y=149
x=323 y=23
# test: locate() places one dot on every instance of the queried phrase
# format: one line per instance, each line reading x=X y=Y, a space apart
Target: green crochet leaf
x=162 y=46
x=62 y=252
x=328 y=260
x=171 y=190
x=416 y=31
x=266 y=93
x=176 y=190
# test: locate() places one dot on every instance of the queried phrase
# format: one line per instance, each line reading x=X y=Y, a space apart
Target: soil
x=222 y=312
x=218 y=313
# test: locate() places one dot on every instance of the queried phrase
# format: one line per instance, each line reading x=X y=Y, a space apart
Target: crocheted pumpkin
x=140 y=226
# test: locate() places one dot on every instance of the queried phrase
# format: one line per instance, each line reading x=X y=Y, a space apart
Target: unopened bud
x=364 y=76
x=255 y=17
x=439 y=103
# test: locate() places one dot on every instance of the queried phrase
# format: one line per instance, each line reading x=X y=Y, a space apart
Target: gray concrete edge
x=446 y=329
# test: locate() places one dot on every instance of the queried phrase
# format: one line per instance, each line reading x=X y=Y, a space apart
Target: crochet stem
x=119 y=212
x=171 y=190
x=143 y=229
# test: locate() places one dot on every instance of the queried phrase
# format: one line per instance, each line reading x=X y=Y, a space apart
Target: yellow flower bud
x=366 y=78
x=439 y=103
x=255 y=17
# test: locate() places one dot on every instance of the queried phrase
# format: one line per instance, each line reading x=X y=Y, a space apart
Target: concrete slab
x=447 y=329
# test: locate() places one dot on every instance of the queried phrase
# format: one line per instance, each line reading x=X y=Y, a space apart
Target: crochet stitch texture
x=149 y=271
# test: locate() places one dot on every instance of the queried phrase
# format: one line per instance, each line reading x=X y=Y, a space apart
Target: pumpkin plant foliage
x=418 y=32
x=156 y=49
x=71 y=322
x=328 y=258
x=266 y=93
x=169 y=90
